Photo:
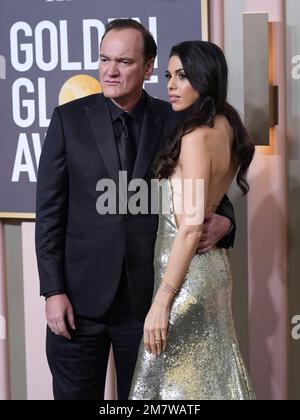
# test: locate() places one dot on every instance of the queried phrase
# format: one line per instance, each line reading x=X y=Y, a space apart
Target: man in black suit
x=96 y=271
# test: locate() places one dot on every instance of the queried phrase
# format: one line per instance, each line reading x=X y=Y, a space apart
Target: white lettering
x=138 y=202
x=24 y=110
x=23 y=152
x=28 y=104
x=41 y=28
x=43 y=120
x=296 y=329
x=37 y=147
x=296 y=69
x=15 y=47
x=107 y=202
x=2 y=67
x=153 y=30
x=64 y=49
x=88 y=25
x=27 y=45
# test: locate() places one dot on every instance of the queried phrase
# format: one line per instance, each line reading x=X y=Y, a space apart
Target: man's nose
x=113 y=68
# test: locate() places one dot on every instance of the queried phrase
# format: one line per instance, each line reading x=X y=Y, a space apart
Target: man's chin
x=110 y=93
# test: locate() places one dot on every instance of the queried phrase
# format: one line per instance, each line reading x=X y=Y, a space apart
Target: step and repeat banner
x=49 y=55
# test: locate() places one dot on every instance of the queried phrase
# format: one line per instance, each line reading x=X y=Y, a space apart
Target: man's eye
x=103 y=60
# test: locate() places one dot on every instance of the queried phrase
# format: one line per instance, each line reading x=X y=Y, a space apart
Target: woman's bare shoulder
x=205 y=133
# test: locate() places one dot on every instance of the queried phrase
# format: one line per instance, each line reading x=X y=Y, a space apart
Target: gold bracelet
x=169 y=288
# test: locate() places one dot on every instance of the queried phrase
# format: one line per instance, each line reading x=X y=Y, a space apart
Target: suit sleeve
x=51 y=209
x=226 y=209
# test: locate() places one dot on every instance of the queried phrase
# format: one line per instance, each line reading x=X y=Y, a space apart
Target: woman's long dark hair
x=206 y=69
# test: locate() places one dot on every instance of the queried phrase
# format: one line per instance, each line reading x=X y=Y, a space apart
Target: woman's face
x=181 y=93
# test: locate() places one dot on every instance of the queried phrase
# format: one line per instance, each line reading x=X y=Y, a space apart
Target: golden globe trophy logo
x=77 y=87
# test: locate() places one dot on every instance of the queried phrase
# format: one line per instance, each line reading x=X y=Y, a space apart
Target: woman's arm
x=195 y=161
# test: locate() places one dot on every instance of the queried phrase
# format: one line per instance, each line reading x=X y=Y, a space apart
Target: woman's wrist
x=165 y=295
x=168 y=287
x=163 y=298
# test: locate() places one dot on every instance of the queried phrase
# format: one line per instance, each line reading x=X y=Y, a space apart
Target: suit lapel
x=100 y=121
x=152 y=126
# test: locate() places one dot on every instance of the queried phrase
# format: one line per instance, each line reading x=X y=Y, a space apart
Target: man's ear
x=149 y=67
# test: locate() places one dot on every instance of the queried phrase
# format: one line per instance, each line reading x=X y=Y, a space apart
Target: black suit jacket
x=80 y=252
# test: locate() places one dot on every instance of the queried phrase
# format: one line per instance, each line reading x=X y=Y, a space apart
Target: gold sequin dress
x=202 y=360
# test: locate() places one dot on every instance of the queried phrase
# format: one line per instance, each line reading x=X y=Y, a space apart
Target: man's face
x=122 y=66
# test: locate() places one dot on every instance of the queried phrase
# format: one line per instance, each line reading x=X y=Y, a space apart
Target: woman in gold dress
x=190 y=350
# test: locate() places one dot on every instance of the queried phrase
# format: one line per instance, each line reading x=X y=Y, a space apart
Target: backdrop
x=49 y=55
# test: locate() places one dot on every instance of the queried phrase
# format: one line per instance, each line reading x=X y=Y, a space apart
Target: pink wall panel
x=37 y=372
x=217 y=22
x=267 y=222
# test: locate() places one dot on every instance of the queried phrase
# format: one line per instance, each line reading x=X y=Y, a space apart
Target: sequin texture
x=202 y=360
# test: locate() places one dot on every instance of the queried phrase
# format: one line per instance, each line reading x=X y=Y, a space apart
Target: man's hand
x=59 y=308
x=214 y=229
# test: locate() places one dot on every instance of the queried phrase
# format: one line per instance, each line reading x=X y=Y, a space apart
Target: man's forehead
x=122 y=40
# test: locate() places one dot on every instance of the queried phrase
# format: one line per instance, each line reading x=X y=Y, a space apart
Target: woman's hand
x=156 y=326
